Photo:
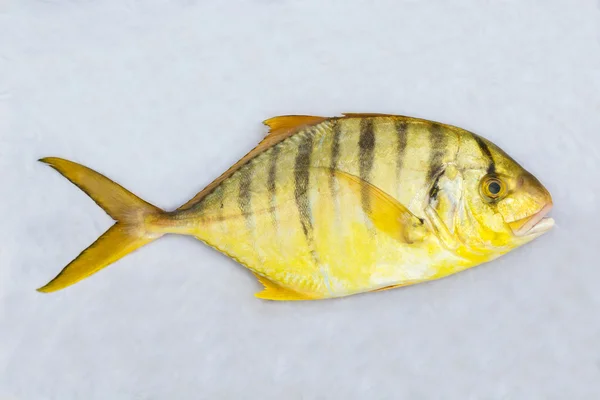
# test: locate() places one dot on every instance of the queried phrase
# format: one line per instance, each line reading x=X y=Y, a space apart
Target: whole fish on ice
x=330 y=207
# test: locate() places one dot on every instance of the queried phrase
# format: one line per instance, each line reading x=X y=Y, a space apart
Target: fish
x=328 y=207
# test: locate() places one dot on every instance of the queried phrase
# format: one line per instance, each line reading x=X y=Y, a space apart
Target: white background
x=163 y=96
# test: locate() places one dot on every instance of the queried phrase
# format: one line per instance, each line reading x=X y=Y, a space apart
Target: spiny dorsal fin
x=280 y=128
x=276 y=292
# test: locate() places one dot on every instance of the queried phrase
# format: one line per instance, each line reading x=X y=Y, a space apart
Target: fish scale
x=329 y=207
x=367 y=140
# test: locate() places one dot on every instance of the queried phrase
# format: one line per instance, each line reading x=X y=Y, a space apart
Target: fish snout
x=539 y=200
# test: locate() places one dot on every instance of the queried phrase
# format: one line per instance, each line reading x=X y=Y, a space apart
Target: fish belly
x=287 y=218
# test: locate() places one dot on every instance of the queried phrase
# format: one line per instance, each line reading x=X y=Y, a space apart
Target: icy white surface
x=163 y=96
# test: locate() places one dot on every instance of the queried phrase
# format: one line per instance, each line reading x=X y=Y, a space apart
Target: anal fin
x=275 y=292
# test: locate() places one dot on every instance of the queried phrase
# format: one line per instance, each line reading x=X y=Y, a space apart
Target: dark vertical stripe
x=485 y=150
x=438 y=142
x=402 y=139
x=301 y=180
x=366 y=146
x=335 y=156
x=272 y=183
x=245 y=195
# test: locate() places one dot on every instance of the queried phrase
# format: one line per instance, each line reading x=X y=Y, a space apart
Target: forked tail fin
x=131 y=231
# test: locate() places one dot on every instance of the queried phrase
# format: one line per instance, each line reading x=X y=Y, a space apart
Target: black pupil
x=494 y=188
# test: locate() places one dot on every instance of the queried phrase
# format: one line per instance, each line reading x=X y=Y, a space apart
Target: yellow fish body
x=330 y=207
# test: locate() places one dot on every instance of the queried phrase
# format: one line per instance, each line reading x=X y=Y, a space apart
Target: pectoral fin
x=386 y=213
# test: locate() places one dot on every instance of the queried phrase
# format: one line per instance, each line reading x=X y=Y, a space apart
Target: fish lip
x=536 y=224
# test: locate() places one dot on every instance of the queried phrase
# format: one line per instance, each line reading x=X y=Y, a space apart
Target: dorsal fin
x=284 y=124
x=363 y=115
x=280 y=128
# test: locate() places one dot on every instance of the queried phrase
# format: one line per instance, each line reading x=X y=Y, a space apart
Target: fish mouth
x=536 y=224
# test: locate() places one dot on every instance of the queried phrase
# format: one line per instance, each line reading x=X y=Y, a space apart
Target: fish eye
x=493 y=187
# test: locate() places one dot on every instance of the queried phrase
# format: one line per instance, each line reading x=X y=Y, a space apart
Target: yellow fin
x=386 y=213
x=275 y=292
x=393 y=287
x=280 y=128
x=364 y=115
x=127 y=235
x=286 y=124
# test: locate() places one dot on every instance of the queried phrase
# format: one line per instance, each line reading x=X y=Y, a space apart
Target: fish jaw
x=534 y=225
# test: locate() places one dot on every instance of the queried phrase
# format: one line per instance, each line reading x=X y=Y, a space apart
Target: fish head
x=503 y=206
